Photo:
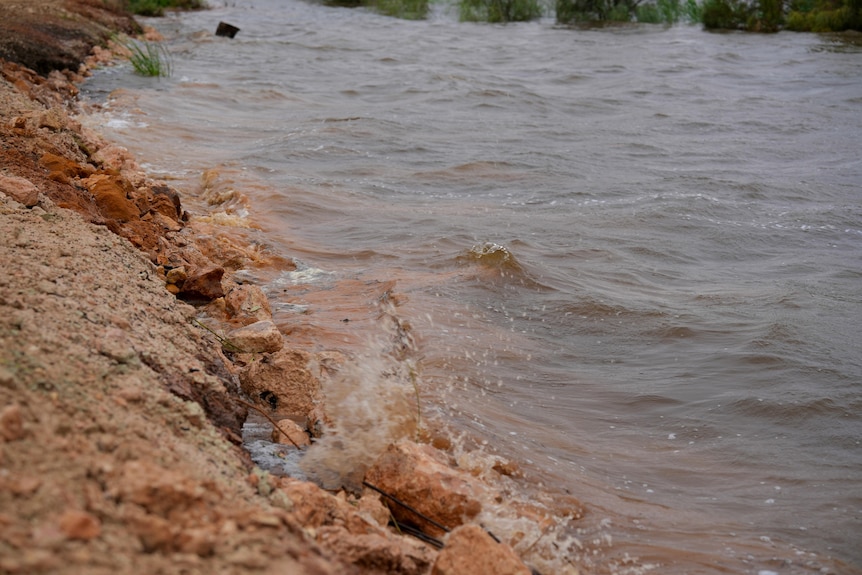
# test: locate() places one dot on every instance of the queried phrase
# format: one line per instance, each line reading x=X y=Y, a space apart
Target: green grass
x=149 y=58
x=499 y=11
x=404 y=9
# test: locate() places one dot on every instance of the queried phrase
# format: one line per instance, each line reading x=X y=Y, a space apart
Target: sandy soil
x=120 y=417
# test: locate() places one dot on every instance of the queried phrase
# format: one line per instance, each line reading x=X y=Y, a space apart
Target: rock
x=11 y=423
x=21 y=190
x=247 y=303
x=283 y=382
x=343 y=530
x=80 y=525
x=469 y=549
x=115 y=157
x=111 y=197
x=371 y=507
x=62 y=168
x=166 y=201
x=176 y=276
x=202 y=285
x=259 y=337
x=290 y=433
x=419 y=476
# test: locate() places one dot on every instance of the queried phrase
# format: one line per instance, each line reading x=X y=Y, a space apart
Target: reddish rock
x=420 y=476
x=63 y=168
x=290 y=433
x=111 y=197
x=11 y=423
x=469 y=549
x=202 y=285
x=258 y=337
x=247 y=304
x=115 y=157
x=21 y=190
x=283 y=382
x=166 y=201
x=80 y=525
x=351 y=535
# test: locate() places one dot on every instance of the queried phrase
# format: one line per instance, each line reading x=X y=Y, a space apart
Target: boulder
x=469 y=549
x=284 y=383
x=21 y=190
x=258 y=337
x=420 y=476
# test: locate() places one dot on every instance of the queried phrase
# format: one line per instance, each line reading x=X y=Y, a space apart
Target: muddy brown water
x=631 y=257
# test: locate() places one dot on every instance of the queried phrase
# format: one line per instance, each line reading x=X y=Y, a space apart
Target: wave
x=494 y=261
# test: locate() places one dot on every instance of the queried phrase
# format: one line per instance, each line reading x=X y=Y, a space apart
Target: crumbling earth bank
x=105 y=465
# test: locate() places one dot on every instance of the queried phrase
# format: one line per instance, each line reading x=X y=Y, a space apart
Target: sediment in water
x=121 y=414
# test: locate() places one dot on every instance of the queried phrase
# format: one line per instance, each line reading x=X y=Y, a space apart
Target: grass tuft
x=149 y=58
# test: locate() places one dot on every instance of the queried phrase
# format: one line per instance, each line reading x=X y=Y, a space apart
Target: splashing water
x=371 y=401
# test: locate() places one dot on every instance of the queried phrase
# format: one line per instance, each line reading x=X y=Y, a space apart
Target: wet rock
x=469 y=549
x=420 y=476
x=247 y=304
x=290 y=433
x=21 y=190
x=202 y=285
x=283 y=382
x=258 y=337
x=80 y=525
x=11 y=423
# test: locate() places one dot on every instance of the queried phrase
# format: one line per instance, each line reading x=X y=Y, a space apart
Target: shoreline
x=121 y=417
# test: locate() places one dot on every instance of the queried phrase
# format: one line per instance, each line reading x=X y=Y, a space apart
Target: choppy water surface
x=632 y=257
